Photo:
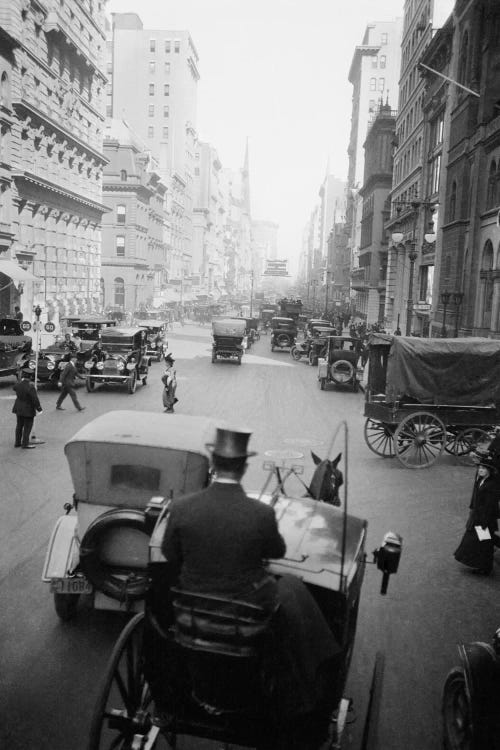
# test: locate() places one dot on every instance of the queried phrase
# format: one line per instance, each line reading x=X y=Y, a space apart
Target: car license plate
x=70 y=586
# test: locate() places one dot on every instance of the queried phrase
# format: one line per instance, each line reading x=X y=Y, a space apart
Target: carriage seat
x=226 y=642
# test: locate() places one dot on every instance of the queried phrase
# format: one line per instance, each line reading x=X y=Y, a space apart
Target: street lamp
x=328 y=273
x=445 y=299
x=458 y=298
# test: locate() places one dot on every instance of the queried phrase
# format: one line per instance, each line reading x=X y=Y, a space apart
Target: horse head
x=326 y=480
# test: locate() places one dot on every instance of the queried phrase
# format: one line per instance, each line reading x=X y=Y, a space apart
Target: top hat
x=231 y=444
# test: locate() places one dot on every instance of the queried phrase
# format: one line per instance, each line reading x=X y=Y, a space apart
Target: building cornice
x=44 y=184
x=359 y=52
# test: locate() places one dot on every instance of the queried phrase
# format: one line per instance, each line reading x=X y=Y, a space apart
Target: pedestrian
x=18 y=314
x=477 y=547
x=26 y=405
x=169 y=381
x=68 y=377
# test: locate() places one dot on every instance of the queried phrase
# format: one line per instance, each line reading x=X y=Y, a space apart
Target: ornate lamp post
x=445 y=299
x=458 y=298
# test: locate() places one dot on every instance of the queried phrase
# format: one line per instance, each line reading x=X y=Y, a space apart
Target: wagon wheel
x=456 y=710
x=379 y=438
x=124 y=703
x=370 y=728
x=468 y=440
x=419 y=439
x=451 y=434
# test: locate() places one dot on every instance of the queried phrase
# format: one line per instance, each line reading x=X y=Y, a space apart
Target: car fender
x=482 y=674
x=63 y=551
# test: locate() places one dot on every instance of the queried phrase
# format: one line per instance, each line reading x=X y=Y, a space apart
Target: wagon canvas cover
x=463 y=371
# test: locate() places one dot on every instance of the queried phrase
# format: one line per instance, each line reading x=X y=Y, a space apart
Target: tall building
x=153 y=86
x=374 y=75
x=410 y=214
x=53 y=117
x=134 y=264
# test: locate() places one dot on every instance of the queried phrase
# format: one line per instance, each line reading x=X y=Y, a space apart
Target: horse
x=326 y=480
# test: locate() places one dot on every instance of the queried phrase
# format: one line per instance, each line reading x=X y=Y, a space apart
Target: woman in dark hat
x=476 y=548
x=170 y=384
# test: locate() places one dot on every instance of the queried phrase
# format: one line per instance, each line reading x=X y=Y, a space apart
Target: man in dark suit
x=26 y=405
x=68 y=377
x=218 y=540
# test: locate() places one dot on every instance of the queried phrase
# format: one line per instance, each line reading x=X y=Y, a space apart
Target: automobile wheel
x=132 y=383
x=456 y=710
x=90 y=385
x=296 y=353
x=342 y=372
x=65 y=605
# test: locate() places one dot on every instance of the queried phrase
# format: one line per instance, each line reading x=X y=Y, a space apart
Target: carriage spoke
x=419 y=440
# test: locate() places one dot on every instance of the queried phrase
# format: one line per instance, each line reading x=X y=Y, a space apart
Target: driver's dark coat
x=218 y=539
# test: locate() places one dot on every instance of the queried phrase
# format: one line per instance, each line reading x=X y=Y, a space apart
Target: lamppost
x=445 y=299
x=397 y=237
x=326 y=293
x=458 y=298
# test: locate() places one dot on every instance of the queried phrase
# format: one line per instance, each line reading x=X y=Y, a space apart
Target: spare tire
x=284 y=339
x=342 y=371
x=123 y=580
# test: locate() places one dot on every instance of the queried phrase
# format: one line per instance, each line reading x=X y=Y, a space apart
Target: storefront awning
x=14 y=271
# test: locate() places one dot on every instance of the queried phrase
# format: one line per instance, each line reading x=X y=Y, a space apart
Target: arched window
x=453 y=202
x=492 y=185
x=123 y=175
x=463 y=59
x=486 y=285
x=4 y=89
x=119 y=290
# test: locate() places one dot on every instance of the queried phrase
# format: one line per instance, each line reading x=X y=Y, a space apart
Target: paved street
x=50 y=670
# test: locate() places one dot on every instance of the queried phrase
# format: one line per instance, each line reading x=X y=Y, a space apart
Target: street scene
x=250 y=375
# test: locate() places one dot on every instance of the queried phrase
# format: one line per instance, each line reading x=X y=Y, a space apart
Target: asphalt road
x=49 y=671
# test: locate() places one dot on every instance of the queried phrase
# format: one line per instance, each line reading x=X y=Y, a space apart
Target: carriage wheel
x=419 y=440
x=379 y=438
x=124 y=704
x=457 y=723
x=467 y=441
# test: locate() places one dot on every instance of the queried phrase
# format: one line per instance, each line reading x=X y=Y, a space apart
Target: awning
x=14 y=271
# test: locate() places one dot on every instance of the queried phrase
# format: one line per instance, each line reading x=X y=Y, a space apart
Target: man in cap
x=170 y=382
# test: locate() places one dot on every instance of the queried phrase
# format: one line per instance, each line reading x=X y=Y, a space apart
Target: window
x=109 y=110
x=374 y=61
x=165 y=110
x=463 y=59
x=453 y=202
x=127 y=477
x=119 y=292
x=165 y=133
x=121 y=213
x=109 y=68
x=372 y=105
x=167 y=46
x=381 y=84
x=177 y=45
x=152 y=45
x=151 y=89
x=151 y=110
x=197 y=171
x=123 y=175
x=437 y=127
x=373 y=84
x=382 y=61
x=166 y=89
x=492 y=182
x=384 y=39
x=167 y=68
x=152 y=66
x=151 y=131
x=487 y=283
x=120 y=245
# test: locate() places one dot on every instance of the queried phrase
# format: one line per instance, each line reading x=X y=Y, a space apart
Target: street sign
x=50 y=327
x=26 y=325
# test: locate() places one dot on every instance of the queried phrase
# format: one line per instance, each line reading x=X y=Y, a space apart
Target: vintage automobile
x=283 y=333
x=340 y=364
x=215 y=655
x=266 y=313
x=470 y=703
x=118 y=462
x=49 y=366
x=229 y=339
x=251 y=330
x=317 y=340
x=156 y=343
x=313 y=322
x=89 y=329
x=15 y=347
x=122 y=361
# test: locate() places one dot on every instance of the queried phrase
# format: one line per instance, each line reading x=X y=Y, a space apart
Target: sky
x=275 y=72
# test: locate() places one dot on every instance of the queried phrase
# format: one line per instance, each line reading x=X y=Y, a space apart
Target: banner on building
x=276 y=268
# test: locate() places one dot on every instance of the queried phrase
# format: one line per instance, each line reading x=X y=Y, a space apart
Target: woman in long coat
x=474 y=552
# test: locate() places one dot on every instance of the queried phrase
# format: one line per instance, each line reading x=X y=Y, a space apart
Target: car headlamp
x=100 y=366
x=153 y=345
x=32 y=364
x=120 y=365
x=88 y=365
x=50 y=365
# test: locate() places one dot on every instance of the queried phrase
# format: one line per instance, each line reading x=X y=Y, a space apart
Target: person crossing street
x=68 y=378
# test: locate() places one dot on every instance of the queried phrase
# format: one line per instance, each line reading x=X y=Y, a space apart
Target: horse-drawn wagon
x=215 y=652
x=426 y=396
